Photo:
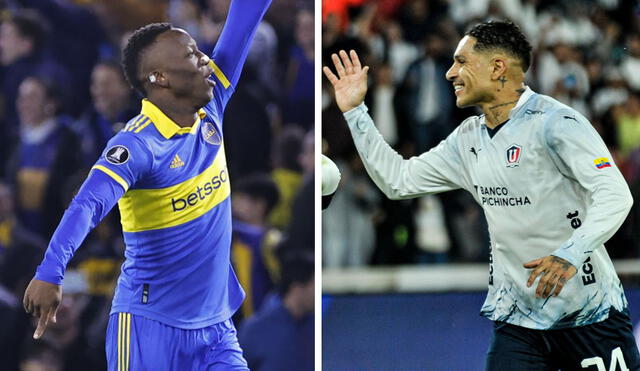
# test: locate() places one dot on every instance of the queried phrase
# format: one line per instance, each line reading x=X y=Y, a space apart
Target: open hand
x=351 y=83
x=42 y=299
x=553 y=272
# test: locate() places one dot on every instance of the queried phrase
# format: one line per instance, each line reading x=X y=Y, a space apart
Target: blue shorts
x=137 y=343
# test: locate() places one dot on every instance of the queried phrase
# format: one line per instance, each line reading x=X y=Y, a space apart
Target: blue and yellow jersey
x=172 y=187
x=176 y=219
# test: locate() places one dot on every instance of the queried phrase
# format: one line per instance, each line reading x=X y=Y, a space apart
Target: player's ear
x=498 y=68
x=157 y=78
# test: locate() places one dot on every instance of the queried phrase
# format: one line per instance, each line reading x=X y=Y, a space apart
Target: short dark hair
x=54 y=91
x=259 y=186
x=112 y=63
x=287 y=148
x=502 y=35
x=137 y=43
x=296 y=267
x=30 y=25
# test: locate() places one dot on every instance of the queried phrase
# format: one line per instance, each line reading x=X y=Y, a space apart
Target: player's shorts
x=136 y=343
x=603 y=346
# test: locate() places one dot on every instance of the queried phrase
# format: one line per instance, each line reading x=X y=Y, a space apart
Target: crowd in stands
x=586 y=54
x=63 y=95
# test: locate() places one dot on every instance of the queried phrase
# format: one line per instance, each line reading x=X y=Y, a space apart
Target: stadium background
x=63 y=95
x=403 y=281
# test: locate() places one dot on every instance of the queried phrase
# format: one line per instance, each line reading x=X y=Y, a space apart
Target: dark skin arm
x=41 y=300
x=554 y=272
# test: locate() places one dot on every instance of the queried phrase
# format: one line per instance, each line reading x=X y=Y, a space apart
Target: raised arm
x=439 y=170
x=232 y=47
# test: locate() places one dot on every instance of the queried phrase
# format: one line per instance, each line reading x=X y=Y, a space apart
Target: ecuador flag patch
x=602 y=162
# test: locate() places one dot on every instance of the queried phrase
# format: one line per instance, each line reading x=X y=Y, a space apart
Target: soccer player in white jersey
x=549 y=189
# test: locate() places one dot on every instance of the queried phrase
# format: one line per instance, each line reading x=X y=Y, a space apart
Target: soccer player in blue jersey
x=166 y=170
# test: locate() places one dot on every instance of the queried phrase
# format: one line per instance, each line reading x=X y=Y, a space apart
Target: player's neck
x=182 y=114
x=497 y=110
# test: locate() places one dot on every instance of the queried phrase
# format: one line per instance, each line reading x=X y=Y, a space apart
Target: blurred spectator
x=613 y=92
x=631 y=62
x=382 y=103
x=427 y=95
x=22 y=40
x=300 y=231
x=20 y=252
x=392 y=47
x=248 y=128
x=287 y=173
x=348 y=234
x=46 y=156
x=628 y=125
x=562 y=76
x=432 y=238
x=67 y=20
x=112 y=106
x=253 y=241
x=300 y=73
x=280 y=336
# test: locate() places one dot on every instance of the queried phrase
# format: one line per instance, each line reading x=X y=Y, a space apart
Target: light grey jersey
x=548 y=186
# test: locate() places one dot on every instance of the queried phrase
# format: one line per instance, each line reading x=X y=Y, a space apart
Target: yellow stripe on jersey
x=148 y=209
x=142 y=126
x=219 y=74
x=131 y=125
x=112 y=174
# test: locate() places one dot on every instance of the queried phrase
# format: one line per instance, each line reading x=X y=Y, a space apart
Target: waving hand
x=351 y=83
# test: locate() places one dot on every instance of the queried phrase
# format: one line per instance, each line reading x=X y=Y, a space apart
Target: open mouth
x=458 y=88
x=209 y=76
x=210 y=80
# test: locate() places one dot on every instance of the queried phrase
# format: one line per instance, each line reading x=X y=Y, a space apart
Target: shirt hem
x=185 y=325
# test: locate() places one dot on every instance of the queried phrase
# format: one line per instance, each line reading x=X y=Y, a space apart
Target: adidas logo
x=176 y=162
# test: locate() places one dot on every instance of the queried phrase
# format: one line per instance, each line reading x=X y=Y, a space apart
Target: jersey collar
x=164 y=124
x=523 y=99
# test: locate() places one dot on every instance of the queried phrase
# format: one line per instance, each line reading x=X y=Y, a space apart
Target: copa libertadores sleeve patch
x=117 y=155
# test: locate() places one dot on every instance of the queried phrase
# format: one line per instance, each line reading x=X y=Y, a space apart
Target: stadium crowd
x=63 y=95
x=586 y=54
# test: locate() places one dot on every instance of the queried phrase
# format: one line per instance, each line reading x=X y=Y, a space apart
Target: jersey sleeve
x=126 y=159
x=96 y=197
x=232 y=47
x=435 y=171
x=580 y=154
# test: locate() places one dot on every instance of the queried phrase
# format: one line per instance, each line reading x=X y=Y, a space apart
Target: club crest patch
x=117 y=155
x=210 y=133
x=514 y=154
